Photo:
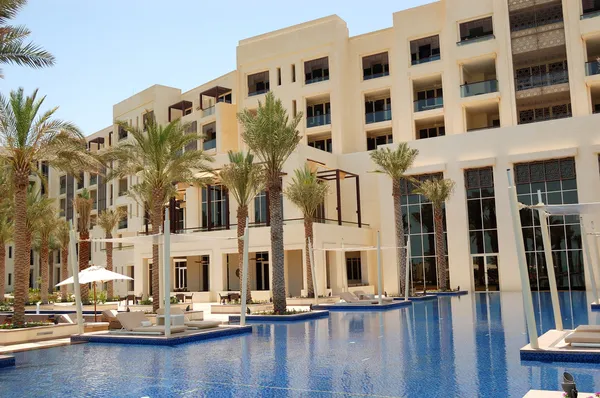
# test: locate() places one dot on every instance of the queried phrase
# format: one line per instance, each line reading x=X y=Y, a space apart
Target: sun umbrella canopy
x=95 y=273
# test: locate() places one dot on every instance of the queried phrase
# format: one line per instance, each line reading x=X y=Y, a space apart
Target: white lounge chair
x=135 y=322
x=585 y=336
x=360 y=294
x=352 y=299
x=190 y=323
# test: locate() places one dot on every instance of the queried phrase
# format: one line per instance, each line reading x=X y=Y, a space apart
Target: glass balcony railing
x=210 y=144
x=122 y=224
x=257 y=92
x=429 y=104
x=380 y=116
x=592 y=68
x=590 y=13
x=208 y=111
x=541 y=80
x=375 y=75
x=319 y=120
x=478 y=88
x=316 y=79
x=475 y=39
x=432 y=58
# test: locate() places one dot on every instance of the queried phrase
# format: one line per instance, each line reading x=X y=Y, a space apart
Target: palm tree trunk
x=308 y=234
x=2 y=270
x=400 y=240
x=22 y=248
x=84 y=262
x=44 y=265
x=50 y=271
x=277 y=249
x=64 y=272
x=156 y=224
x=242 y=214
x=109 y=266
x=440 y=252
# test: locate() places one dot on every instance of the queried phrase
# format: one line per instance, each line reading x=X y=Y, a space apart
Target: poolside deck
x=552 y=394
x=363 y=307
x=175 y=339
x=418 y=298
x=595 y=306
x=554 y=349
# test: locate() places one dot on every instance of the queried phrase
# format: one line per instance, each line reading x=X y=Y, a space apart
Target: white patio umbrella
x=93 y=274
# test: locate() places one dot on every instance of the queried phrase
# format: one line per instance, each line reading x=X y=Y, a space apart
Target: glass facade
x=260 y=208
x=417 y=218
x=219 y=207
x=481 y=206
x=557 y=182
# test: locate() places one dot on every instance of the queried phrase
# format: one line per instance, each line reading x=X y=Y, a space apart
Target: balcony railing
x=478 y=88
x=380 y=116
x=375 y=75
x=429 y=104
x=544 y=118
x=318 y=120
x=592 y=68
x=63 y=189
x=257 y=92
x=122 y=193
x=93 y=180
x=209 y=144
x=482 y=128
x=432 y=58
x=316 y=79
x=541 y=80
x=476 y=39
x=208 y=111
x=590 y=13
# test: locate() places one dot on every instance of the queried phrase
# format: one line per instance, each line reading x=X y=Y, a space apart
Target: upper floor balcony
x=590 y=8
x=537 y=15
x=375 y=66
x=479 y=77
x=179 y=110
x=258 y=83
x=475 y=31
x=318 y=111
x=592 y=49
x=425 y=50
x=542 y=79
x=316 y=70
x=479 y=88
x=378 y=107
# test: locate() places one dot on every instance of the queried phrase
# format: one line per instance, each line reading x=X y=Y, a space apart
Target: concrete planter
x=237 y=308
x=17 y=336
x=453 y=293
x=259 y=318
x=308 y=301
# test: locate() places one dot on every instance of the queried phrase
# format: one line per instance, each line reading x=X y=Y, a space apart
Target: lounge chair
x=588 y=328
x=133 y=323
x=110 y=316
x=192 y=324
x=584 y=339
x=352 y=299
x=364 y=296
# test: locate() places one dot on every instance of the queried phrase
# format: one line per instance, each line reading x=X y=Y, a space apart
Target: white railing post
x=167 y=269
x=244 y=276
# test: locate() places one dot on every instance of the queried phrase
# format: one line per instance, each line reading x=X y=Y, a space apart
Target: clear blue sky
x=107 y=50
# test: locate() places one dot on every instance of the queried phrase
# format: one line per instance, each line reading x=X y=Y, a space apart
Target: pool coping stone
x=282 y=318
x=7 y=361
x=362 y=307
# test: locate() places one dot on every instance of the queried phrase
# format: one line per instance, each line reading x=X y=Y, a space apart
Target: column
x=504 y=64
x=580 y=102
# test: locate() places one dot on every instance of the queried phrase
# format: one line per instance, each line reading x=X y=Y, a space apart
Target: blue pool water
x=458 y=347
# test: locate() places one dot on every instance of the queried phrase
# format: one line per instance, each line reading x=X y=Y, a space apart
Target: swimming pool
x=456 y=347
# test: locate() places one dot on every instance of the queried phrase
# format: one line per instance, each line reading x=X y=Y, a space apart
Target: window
x=258 y=83
x=293 y=73
x=226 y=98
x=318 y=114
x=418 y=223
x=475 y=29
x=260 y=208
x=205 y=273
x=322 y=144
x=130 y=274
x=279 y=76
x=80 y=181
x=431 y=132
x=147 y=118
x=180 y=274
x=123 y=186
x=209 y=131
x=63 y=184
x=432 y=98
x=557 y=181
x=590 y=6
x=192 y=129
x=382 y=139
x=31 y=257
x=294 y=109
x=93 y=178
x=378 y=110
x=262 y=271
x=215 y=208
x=63 y=207
x=316 y=70
x=353 y=268
x=45 y=173
x=541 y=75
x=58 y=257
x=123 y=220
x=122 y=133
x=9 y=279
x=94 y=198
x=375 y=66
x=9 y=251
x=481 y=208
x=424 y=50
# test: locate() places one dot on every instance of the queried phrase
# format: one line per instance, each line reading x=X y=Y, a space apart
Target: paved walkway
x=37 y=345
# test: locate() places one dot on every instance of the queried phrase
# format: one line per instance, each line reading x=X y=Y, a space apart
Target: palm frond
x=243 y=178
x=83 y=205
x=306 y=191
x=109 y=219
x=394 y=162
x=437 y=190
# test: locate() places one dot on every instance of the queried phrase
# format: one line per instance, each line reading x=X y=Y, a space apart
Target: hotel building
x=478 y=87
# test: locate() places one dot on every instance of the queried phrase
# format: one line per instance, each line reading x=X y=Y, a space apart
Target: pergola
x=213 y=92
x=181 y=106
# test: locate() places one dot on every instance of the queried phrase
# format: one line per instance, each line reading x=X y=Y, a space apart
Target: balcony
x=476 y=31
x=429 y=104
x=316 y=70
x=207 y=145
x=541 y=80
x=591 y=9
x=534 y=17
x=208 y=111
x=479 y=88
x=527 y=116
x=592 y=68
x=380 y=116
x=258 y=83
x=482 y=115
x=375 y=66
x=425 y=50
x=122 y=223
x=435 y=57
x=209 y=132
x=318 y=120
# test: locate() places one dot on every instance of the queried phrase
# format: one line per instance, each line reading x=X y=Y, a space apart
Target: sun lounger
x=110 y=316
x=192 y=324
x=132 y=322
x=588 y=328
x=350 y=298
x=364 y=296
x=583 y=339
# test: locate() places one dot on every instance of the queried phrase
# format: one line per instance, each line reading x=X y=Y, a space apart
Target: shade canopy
x=577 y=208
x=95 y=273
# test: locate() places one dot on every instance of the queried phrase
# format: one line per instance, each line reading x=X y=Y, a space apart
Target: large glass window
x=353 y=268
x=258 y=83
x=260 y=208
x=316 y=70
x=375 y=66
x=181 y=275
x=557 y=182
x=218 y=205
x=417 y=218
x=424 y=50
x=481 y=205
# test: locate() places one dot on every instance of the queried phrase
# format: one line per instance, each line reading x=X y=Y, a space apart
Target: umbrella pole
x=95 y=302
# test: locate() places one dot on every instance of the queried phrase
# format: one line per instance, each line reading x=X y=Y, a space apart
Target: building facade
x=479 y=88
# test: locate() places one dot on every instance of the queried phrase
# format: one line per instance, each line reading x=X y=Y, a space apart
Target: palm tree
x=307 y=193
x=13 y=49
x=273 y=136
x=83 y=205
x=156 y=156
x=438 y=191
x=6 y=233
x=394 y=163
x=63 y=238
x=39 y=209
x=27 y=137
x=244 y=179
x=43 y=234
x=108 y=221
